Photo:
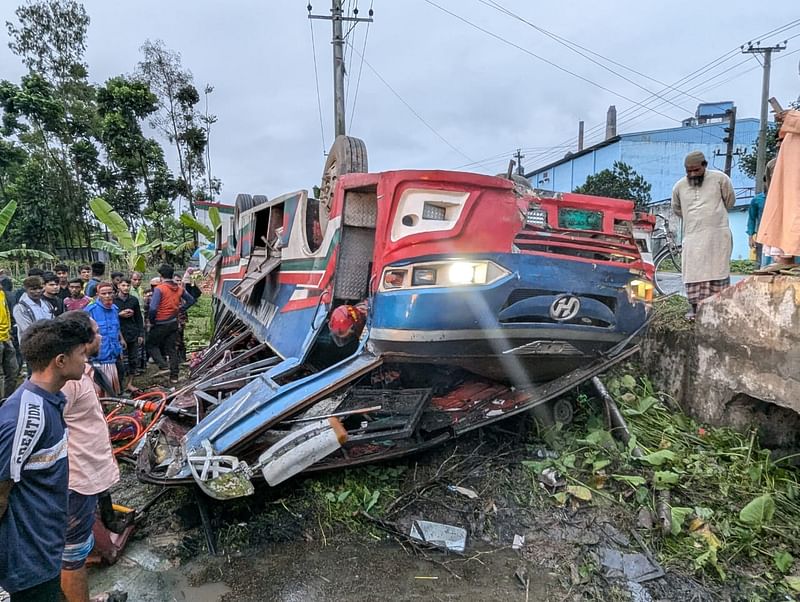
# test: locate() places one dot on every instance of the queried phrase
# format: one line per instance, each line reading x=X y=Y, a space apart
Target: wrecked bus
x=484 y=298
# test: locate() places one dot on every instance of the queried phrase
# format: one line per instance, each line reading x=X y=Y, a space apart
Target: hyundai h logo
x=565 y=308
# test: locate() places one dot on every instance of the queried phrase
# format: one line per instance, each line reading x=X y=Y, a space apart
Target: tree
x=178 y=118
x=51 y=38
x=51 y=115
x=619 y=182
x=136 y=172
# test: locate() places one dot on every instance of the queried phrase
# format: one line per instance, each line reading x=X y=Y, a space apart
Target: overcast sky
x=480 y=96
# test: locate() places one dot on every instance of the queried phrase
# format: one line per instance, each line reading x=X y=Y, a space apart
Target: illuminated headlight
x=462 y=272
x=640 y=291
x=442 y=273
x=423 y=277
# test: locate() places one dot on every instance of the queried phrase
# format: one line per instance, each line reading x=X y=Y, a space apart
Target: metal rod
x=336 y=414
x=202 y=506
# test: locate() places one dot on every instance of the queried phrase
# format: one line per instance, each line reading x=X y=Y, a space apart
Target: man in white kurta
x=703 y=199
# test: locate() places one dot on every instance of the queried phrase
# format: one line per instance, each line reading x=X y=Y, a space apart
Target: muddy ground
x=343 y=536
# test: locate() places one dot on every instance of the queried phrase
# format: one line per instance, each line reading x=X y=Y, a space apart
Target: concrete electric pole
x=519 y=157
x=730 y=133
x=337 y=18
x=762 y=130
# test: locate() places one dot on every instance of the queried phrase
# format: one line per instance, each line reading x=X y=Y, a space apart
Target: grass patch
x=200 y=326
x=743 y=266
x=669 y=314
x=733 y=510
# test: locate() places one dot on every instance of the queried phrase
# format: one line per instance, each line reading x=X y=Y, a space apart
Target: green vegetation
x=200 y=326
x=731 y=507
x=619 y=182
x=65 y=140
x=743 y=266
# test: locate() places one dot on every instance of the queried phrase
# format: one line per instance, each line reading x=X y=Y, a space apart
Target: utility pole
x=519 y=157
x=337 y=18
x=762 y=131
x=730 y=132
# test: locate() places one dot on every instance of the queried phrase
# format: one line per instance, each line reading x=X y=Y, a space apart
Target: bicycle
x=668 y=258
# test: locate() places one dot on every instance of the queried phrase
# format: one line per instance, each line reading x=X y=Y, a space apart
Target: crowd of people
x=80 y=339
x=139 y=323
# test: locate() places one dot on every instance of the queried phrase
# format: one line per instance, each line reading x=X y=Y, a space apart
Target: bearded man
x=702 y=199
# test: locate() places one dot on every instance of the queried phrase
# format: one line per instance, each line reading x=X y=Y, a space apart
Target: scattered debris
x=518 y=543
x=441 y=535
x=465 y=491
x=632 y=567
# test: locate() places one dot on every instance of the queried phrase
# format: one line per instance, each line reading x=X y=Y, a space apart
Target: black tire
x=563 y=411
x=244 y=202
x=259 y=199
x=666 y=262
x=347 y=155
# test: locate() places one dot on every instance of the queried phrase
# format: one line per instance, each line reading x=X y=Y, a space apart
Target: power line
x=541 y=58
x=360 y=68
x=727 y=56
x=316 y=81
x=572 y=46
x=410 y=108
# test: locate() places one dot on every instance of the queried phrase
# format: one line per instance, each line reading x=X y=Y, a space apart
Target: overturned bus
x=482 y=298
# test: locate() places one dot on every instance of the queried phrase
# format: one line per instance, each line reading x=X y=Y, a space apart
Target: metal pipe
x=616 y=421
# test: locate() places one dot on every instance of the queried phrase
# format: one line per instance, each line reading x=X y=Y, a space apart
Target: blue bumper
x=514 y=311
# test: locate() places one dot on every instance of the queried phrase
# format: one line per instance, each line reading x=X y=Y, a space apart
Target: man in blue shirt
x=33 y=462
x=106 y=314
x=754 y=213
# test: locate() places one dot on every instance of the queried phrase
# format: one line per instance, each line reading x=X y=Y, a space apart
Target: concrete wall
x=739 y=364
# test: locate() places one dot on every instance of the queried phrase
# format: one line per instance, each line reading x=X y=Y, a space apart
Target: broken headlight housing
x=456 y=272
x=640 y=291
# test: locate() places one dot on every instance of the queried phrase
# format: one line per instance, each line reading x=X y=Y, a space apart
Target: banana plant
x=194 y=224
x=6 y=213
x=210 y=234
x=133 y=249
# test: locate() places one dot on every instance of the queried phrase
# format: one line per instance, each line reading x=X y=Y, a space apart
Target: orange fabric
x=170 y=302
x=780 y=223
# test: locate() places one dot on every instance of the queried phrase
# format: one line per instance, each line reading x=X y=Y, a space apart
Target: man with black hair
x=21 y=290
x=50 y=294
x=165 y=305
x=92 y=469
x=62 y=271
x=131 y=325
x=98 y=269
x=31 y=306
x=33 y=462
x=85 y=274
x=76 y=299
x=106 y=314
x=116 y=278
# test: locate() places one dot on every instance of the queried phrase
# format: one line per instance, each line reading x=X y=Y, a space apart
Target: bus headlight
x=456 y=272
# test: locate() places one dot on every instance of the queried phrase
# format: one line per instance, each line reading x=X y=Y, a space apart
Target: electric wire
x=316 y=81
x=360 y=68
x=591 y=132
x=572 y=46
x=410 y=108
x=541 y=58
x=350 y=63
